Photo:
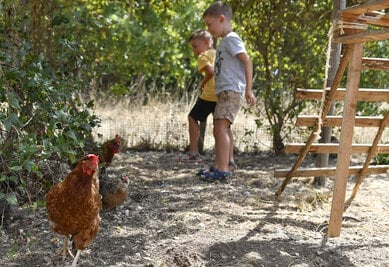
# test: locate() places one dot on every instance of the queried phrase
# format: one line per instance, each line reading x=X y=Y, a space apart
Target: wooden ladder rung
x=324 y=148
x=375 y=18
x=330 y=171
x=336 y=121
x=365 y=7
x=369 y=36
x=362 y=95
x=375 y=63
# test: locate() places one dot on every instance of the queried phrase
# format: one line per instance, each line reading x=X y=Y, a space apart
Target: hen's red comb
x=94 y=157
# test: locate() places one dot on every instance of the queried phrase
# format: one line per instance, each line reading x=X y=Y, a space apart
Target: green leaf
x=72 y=158
x=72 y=135
x=14 y=101
x=16 y=168
x=29 y=165
x=13 y=178
x=12 y=120
x=12 y=199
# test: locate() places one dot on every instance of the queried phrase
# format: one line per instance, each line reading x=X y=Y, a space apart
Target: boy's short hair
x=201 y=34
x=217 y=9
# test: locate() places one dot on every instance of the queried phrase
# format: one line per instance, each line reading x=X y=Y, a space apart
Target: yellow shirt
x=207 y=59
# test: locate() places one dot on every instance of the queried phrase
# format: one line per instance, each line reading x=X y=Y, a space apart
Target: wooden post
x=326 y=132
x=372 y=152
x=203 y=126
x=346 y=136
x=326 y=107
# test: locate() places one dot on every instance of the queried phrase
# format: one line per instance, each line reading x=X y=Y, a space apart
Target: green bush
x=42 y=121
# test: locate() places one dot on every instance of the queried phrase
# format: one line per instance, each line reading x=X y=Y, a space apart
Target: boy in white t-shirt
x=233 y=79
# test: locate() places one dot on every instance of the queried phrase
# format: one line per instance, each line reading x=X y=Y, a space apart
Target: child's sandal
x=216 y=175
x=190 y=158
x=232 y=166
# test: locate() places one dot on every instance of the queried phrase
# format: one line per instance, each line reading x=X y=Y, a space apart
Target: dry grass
x=162 y=125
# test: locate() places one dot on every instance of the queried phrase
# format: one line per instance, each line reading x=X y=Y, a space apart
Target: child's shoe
x=232 y=166
x=215 y=176
x=203 y=171
x=190 y=157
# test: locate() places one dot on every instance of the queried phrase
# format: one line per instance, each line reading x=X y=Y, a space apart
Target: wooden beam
x=365 y=7
x=362 y=94
x=363 y=37
x=323 y=148
x=372 y=152
x=328 y=99
x=326 y=105
x=330 y=171
x=345 y=145
x=336 y=121
x=374 y=18
x=375 y=64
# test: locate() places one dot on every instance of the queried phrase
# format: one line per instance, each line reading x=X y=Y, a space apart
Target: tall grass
x=163 y=125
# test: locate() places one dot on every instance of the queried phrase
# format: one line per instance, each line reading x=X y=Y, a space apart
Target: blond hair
x=202 y=35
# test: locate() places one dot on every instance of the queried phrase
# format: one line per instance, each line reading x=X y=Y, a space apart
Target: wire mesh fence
x=166 y=125
x=161 y=125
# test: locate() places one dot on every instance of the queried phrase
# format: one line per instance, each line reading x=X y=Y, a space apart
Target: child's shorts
x=202 y=109
x=228 y=104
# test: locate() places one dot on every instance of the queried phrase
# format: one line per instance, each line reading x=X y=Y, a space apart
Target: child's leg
x=199 y=112
x=222 y=144
x=226 y=110
x=194 y=133
x=231 y=158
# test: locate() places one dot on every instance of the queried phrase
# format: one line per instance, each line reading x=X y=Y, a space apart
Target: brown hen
x=108 y=150
x=74 y=204
x=114 y=191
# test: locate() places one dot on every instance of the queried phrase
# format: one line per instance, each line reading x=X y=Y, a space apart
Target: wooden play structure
x=353 y=27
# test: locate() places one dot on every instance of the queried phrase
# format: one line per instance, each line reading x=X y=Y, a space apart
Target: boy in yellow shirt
x=201 y=42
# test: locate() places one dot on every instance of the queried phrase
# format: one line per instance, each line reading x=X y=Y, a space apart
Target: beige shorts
x=227 y=106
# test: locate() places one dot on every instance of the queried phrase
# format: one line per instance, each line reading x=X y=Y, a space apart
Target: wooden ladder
x=353 y=38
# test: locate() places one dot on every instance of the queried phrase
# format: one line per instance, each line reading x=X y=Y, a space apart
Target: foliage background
x=57 y=57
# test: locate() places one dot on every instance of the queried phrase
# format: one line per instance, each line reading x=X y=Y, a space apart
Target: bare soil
x=172 y=218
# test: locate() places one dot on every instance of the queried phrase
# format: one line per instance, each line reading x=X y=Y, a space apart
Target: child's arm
x=248 y=70
x=208 y=74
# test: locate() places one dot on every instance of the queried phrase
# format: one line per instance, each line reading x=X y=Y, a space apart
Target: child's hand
x=250 y=98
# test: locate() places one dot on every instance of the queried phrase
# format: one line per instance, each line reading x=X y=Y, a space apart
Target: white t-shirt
x=229 y=70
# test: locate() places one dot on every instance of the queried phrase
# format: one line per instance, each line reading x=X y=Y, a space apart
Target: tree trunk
x=322 y=159
x=278 y=145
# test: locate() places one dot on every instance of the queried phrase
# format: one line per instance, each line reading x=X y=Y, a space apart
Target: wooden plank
x=372 y=152
x=365 y=7
x=330 y=171
x=375 y=18
x=328 y=99
x=345 y=145
x=323 y=148
x=326 y=106
x=375 y=64
x=336 y=121
x=363 y=37
x=362 y=94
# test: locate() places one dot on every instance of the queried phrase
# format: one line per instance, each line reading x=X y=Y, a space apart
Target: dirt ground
x=172 y=218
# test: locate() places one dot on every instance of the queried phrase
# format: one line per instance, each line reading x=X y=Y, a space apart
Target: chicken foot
x=65 y=250
x=74 y=263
